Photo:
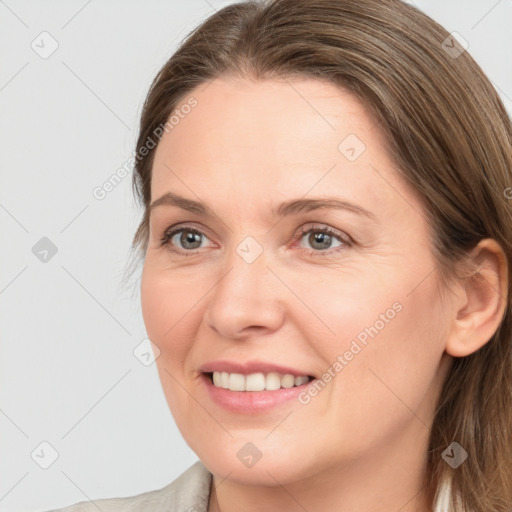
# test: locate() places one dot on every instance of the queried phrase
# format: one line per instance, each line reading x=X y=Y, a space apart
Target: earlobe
x=483 y=299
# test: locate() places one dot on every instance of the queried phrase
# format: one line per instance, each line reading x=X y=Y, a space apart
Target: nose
x=247 y=299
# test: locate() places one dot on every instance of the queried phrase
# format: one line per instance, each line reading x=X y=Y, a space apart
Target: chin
x=238 y=462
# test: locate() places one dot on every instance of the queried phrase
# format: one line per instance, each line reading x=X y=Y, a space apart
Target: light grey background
x=68 y=326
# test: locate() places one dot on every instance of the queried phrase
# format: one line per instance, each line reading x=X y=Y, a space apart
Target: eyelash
x=345 y=239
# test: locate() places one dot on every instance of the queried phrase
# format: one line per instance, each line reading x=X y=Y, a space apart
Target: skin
x=361 y=443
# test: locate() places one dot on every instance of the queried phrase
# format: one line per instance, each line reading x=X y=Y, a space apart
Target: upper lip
x=249 y=367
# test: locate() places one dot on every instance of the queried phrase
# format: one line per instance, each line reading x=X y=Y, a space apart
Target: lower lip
x=251 y=402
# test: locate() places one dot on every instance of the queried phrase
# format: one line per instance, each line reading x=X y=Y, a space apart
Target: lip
x=250 y=367
x=250 y=402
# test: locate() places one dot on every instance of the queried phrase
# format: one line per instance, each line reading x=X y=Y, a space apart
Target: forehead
x=270 y=114
x=288 y=136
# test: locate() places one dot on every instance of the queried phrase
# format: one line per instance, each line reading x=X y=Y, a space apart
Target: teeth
x=257 y=381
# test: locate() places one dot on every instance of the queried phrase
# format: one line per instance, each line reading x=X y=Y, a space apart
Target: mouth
x=257 y=382
x=254 y=393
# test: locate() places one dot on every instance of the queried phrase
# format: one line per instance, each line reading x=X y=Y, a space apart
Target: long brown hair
x=451 y=140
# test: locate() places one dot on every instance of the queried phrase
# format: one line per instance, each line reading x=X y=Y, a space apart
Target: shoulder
x=188 y=493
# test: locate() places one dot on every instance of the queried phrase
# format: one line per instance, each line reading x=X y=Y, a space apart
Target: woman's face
x=356 y=307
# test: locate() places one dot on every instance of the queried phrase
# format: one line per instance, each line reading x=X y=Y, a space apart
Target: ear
x=480 y=300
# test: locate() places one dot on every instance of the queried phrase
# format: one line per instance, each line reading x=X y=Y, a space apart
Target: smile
x=259 y=400
x=257 y=381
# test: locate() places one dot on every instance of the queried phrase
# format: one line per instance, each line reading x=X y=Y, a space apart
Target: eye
x=189 y=238
x=321 y=238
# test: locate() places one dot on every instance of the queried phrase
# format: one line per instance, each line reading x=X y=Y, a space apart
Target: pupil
x=189 y=238
x=320 y=237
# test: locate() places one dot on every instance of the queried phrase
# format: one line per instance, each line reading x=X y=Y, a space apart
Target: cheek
x=168 y=312
x=387 y=345
x=346 y=302
x=154 y=303
x=166 y=308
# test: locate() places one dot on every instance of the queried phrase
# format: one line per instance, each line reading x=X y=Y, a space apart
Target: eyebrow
x=292 y=207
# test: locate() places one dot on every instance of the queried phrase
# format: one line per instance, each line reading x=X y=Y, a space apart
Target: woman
x=326 y=244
